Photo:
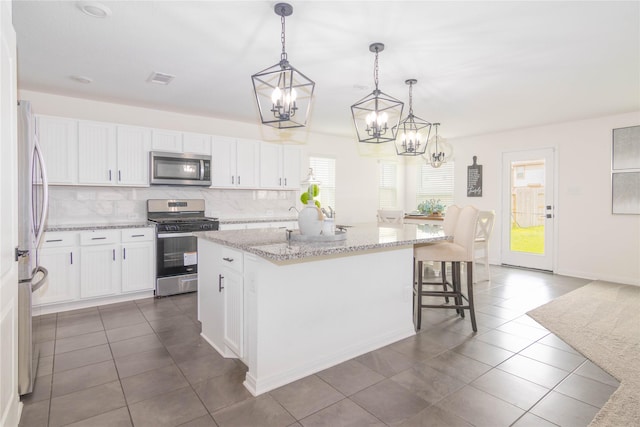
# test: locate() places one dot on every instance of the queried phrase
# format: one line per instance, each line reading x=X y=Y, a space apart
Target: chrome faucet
x=293 y=207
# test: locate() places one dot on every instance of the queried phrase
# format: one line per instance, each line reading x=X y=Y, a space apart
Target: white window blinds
x=324 y=169
x=388 y=187
x=435 y=183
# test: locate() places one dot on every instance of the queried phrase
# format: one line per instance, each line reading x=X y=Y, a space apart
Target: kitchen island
x=289 y=309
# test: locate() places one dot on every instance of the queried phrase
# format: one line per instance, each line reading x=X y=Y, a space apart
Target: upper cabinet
x=280 y=166
x=235 y=163
x=96 y=153
x=181 y=142
x=58 y=139
x=132 y=153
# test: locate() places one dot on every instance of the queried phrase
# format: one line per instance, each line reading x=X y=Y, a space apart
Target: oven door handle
x=169 y=235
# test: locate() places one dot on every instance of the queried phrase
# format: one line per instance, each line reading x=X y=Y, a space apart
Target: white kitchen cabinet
x=100 y=267
x=221 y=297
x=138 y=260
x=96 y=153
x=279 y=166
x=196 y=143
x=59 y=254
x=132 y=155
x=235 y=163
x=58 y=139
x=166 y=140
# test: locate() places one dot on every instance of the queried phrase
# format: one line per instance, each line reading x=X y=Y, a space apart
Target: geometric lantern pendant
x=376 y=116
x=413 y=132
x=283 y=93
x=439 y=151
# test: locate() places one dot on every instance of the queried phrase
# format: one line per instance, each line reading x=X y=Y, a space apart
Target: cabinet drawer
x=99 y=237
x=137 y=234
x=232 y=259
x=56 y=239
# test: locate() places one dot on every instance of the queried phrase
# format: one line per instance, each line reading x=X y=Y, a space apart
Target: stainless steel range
x=176 y=245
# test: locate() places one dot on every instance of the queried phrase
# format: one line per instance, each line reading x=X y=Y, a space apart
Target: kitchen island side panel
x=304 y=317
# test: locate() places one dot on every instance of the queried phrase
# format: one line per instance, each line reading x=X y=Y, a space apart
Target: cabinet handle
x=109 y=174
x=280 y=181
x=285 y=182
x=119 y=175
x=114 y=254
x=98 y=238
x=228 y=259
x=71 y=257
x=54 y=240
x=137 y=235
x=238 y=179
x=220 y=287
x=233 y=179
x=124 y=253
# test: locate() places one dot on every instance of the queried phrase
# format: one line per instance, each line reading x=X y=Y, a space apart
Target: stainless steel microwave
x=179 y=169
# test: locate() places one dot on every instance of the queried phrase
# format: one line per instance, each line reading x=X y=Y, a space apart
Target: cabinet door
x=166 y=140
x=211 y=294
x=196 y=143
x=137 y=267
x=99 y=271
x=247 y=163
x=291 y=161
x=133 y=146
x=96 y=153
x=62 y=284
x=233 y=310
x=223 y=162
x=270 y=166
x=58 y=139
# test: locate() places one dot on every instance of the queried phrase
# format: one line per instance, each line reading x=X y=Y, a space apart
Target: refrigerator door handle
x=45 y=192
x=40 y=283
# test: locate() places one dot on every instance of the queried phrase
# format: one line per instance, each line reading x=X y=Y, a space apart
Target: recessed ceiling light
x=82 y=79
x=94 y=9
x=160 y=78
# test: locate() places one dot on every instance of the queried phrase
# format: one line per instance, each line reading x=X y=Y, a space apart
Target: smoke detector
x=160 y=78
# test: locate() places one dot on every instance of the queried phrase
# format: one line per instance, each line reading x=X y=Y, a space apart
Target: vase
x=310 y=220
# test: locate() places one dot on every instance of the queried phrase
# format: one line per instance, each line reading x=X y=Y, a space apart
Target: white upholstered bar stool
x=484 y=228
x=457 y=251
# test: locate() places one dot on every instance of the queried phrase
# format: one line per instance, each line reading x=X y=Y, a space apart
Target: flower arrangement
x=431 y=207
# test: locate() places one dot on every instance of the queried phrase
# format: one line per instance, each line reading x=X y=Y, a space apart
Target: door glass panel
x=527 y=206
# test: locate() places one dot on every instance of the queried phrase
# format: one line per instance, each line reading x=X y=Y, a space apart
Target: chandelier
x=438 y=150
x=413 y=132
x=283 y=93
x=376 y=116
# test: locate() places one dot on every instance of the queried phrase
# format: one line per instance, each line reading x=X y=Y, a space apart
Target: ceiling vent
x=160 y=78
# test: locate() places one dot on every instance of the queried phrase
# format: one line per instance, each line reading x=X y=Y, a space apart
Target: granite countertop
x=272 y=244
x=88 y=227
x=257 y=219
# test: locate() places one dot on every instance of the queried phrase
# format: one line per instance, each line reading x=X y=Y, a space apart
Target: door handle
x=114 y=254
x=220 y=287
x=109 y=175
x=124 y=253
x=71 y=257
x=41 y=282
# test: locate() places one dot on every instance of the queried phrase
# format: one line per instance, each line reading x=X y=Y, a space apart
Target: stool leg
x=418 y=304
x=458 y=288
x=472 y=312
x=443 y=272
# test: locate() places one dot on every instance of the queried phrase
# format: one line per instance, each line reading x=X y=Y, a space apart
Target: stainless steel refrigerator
x=33 y=201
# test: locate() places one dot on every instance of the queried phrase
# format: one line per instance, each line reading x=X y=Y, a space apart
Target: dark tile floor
x=143 y=363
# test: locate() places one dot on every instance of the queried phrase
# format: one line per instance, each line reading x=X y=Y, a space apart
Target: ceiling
x=481 y=66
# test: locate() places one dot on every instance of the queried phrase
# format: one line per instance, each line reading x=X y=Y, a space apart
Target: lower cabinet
x=87 y=265
x=221 y=297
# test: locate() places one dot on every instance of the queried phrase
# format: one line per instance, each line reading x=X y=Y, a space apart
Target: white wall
x=590 y=241
x=356 y=175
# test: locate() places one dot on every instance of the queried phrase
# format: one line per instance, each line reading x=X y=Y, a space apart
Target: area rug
x=601 y=320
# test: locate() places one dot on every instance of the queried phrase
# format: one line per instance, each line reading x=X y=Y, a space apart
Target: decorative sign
x=474 y=179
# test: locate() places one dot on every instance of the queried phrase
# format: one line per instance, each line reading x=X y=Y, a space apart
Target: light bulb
x=276 y=96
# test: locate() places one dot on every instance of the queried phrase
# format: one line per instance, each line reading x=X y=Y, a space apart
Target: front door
x=528 y=208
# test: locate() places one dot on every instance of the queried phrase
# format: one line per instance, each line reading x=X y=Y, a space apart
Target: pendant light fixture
x=413 y=132
x=438 y=150
x=376 y=116
x=282 y=92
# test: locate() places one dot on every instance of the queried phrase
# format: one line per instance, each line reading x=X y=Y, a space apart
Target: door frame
x=505 y=189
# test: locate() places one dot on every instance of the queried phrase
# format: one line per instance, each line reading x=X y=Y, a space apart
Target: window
x=324 y=170
x=388 y=189
x=435 y=183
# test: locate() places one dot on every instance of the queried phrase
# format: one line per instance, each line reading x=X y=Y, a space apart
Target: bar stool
x=484 y=229
x=458 y=251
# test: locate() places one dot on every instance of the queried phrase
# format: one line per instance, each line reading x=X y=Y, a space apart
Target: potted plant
x=431 y=207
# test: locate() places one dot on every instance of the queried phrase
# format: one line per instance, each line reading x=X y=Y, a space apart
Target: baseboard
x=635 y=281
x=93 y=302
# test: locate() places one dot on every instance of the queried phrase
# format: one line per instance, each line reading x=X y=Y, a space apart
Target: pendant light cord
x=410 y=99
x=375 y=70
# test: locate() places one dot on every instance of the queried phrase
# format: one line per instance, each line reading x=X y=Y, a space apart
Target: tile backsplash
x=100 y=205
